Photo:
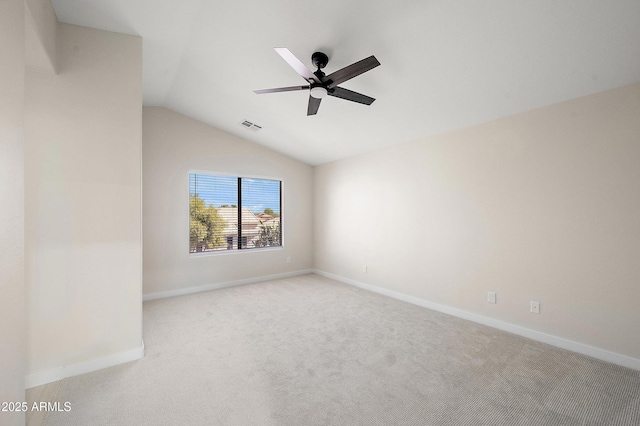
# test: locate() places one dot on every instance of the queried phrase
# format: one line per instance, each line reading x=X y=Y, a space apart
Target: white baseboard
x=581 y=348
x=44 y=377
x=216 y=286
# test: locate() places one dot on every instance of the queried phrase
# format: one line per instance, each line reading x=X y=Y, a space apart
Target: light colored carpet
x=310 y=351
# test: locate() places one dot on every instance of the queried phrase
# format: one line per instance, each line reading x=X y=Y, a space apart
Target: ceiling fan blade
x=295 y=63
x=350 y=95
x=281 y=89
x=314 y=104
x=351 y=71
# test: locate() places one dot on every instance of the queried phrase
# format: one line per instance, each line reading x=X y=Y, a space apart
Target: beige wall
x=41 y=36
x=173 y=145
x=12 y=319
x=83 y=208
x=541 y=206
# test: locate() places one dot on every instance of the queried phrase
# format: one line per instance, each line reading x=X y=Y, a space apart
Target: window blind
x=233 y=213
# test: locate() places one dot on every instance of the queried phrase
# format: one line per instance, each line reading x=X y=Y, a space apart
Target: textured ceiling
x=446 y=64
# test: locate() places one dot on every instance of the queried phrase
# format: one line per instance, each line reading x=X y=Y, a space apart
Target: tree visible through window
x=225 y=210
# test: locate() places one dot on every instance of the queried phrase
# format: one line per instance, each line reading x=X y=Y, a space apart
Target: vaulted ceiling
x=446 y=64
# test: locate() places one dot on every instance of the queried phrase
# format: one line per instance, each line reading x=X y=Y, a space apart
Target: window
x=227 y=210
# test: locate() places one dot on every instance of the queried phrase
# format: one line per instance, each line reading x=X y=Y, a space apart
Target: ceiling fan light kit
x=318 y=92
x=321 y=85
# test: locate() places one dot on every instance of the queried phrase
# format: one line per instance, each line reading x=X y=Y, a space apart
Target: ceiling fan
x=321 y=85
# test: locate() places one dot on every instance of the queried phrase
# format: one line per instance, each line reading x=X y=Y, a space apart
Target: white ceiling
x=446 y=64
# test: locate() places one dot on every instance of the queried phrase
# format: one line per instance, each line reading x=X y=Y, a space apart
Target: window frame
x=237 y=250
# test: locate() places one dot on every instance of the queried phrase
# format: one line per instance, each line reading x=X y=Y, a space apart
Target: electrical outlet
x=535 y=307
x=491 y=296
x=364 y=268
x=288 y=259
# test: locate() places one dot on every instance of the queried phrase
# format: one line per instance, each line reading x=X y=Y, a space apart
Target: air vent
x=251 y=126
